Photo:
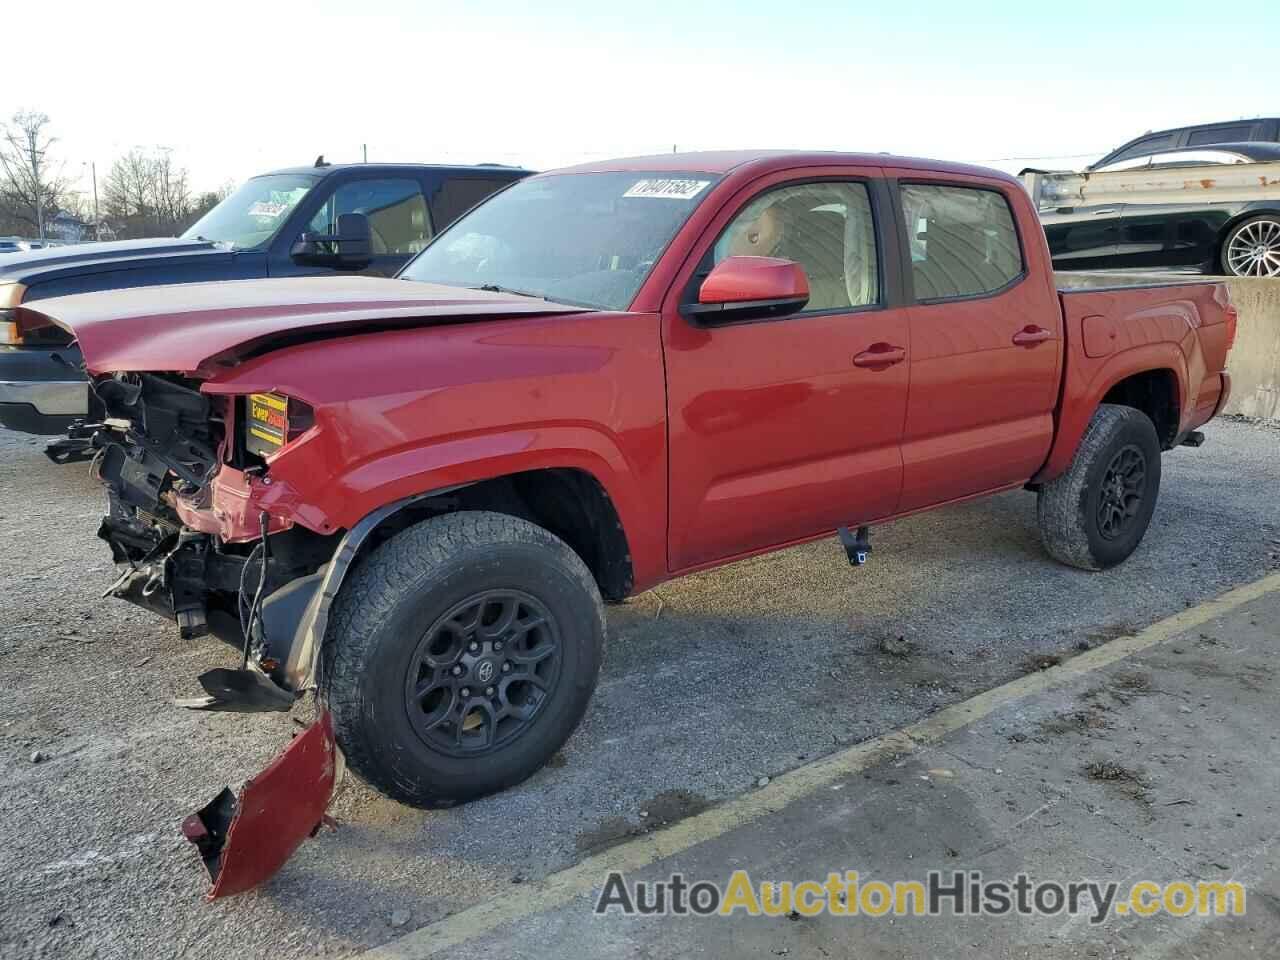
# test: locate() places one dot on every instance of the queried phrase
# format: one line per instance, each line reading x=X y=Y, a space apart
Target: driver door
x=781 y=429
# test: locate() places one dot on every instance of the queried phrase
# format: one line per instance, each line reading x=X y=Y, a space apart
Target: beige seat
x=815 y=240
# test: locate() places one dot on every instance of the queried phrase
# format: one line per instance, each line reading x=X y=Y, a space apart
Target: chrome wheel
x=1253 y=249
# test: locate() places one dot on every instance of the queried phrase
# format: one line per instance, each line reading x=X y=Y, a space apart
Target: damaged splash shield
x=244 y=842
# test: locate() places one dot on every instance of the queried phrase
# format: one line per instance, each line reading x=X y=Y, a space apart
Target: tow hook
x=244 y=842
x=856 y=546
x=76 y=447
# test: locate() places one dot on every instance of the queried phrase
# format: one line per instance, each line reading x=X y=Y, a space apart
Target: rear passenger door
x=986 y=341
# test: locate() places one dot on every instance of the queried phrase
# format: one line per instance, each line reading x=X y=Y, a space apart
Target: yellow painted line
x=560 y=888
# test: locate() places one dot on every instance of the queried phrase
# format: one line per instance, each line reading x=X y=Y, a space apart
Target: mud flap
x=243 y=843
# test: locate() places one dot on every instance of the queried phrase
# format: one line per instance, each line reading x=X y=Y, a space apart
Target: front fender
x=303 y=485
x=362 y=499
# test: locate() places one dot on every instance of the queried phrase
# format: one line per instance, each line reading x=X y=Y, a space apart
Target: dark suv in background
x=285 y=223
x=1259 y=130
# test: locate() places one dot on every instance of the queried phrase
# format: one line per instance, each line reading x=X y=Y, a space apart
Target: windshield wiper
x=494 y=288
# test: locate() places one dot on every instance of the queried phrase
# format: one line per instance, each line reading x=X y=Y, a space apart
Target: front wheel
x=1095 y=514
x=460 y=657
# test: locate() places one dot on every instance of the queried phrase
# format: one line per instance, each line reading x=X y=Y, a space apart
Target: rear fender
x=1088 y=381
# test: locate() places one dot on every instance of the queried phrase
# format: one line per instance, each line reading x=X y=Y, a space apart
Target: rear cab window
x=962 y=241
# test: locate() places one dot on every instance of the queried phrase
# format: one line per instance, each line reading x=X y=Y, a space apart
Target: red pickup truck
x=412 y=495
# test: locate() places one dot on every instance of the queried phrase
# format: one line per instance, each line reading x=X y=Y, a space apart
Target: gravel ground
x=709 y=684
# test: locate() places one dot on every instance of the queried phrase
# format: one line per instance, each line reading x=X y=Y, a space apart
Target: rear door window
x=1227 y=133
x=963 y=241
x=457 y=195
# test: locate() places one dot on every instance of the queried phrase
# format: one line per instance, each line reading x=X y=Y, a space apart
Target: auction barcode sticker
x=667 y=189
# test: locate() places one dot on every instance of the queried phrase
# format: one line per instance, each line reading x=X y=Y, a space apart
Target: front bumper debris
x=244 y=843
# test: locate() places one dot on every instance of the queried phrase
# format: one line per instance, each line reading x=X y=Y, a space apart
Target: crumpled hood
x=185 y=328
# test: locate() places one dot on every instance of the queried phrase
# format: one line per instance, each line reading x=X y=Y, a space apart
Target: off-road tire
x=1068 y=507
x=385 y=609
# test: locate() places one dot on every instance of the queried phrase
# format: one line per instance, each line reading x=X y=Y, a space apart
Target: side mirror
x=351 y=248
x=749 y=288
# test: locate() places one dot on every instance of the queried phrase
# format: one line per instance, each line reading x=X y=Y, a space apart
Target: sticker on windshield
x=667 y=189
x=264 y=208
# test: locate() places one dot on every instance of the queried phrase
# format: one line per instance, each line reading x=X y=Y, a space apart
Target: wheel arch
x=1156 y=392
x=1151 y=364
x=569 y=502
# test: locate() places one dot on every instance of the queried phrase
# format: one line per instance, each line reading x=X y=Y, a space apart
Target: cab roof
x=727 y=161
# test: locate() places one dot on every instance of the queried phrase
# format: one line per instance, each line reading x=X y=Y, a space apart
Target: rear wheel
x=460 y=657
x=1095 y=514
x=1252 y=248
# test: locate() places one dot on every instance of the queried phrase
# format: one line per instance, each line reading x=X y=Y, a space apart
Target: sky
x=236 y=88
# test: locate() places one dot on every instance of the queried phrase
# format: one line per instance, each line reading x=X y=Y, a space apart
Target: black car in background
x=1259 y=130
x=285 y=223
x=1234 y=237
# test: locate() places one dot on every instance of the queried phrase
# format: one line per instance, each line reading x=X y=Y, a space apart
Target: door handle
x=880 y=355
x=1030 y=335
x=1099 y=213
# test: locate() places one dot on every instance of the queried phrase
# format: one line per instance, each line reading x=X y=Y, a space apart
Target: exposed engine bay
x=158 y=453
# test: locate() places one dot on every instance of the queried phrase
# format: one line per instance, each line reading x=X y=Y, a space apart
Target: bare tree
x=171 y=191
x=31 y=184
x=126 y=191
x=146 y=193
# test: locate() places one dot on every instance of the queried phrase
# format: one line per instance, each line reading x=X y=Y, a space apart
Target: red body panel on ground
x=277 y=810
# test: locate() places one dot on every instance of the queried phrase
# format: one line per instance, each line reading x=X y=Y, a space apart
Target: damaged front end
x=193 y=547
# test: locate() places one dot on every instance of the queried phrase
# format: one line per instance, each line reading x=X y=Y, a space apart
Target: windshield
x=588 y=239
x=253 y=213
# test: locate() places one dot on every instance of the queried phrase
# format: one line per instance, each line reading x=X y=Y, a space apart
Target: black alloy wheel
x=482 y=672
